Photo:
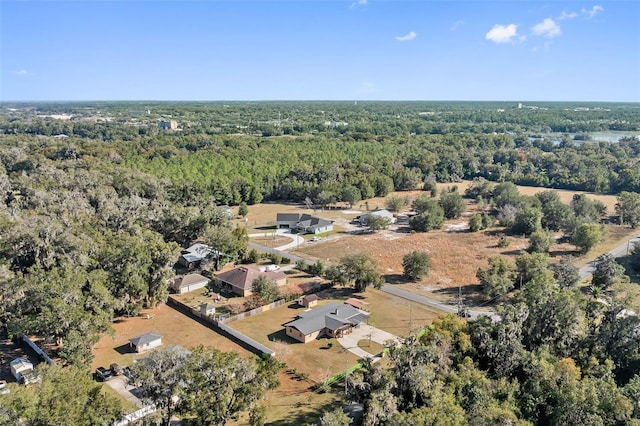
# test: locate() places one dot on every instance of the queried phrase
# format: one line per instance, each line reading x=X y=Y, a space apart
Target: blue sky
x=320 y=50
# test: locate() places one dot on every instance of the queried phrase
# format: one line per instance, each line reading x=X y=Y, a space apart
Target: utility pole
x=410 y=317
x=462 y=312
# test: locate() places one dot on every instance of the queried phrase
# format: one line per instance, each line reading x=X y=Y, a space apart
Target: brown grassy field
x=175 y=328
x=456 y=255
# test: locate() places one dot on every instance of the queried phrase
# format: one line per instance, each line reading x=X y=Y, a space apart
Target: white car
x=314 y=239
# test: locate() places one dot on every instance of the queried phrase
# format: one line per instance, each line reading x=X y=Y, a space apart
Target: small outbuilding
x=357 y=303
x=207 y=309
x=146 y=341
x=189 y=283
x=309 y=301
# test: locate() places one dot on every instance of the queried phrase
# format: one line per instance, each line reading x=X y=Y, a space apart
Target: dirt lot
x=175 y=328
x=293 y=399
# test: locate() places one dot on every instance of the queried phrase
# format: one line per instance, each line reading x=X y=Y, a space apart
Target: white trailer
x=22 y=369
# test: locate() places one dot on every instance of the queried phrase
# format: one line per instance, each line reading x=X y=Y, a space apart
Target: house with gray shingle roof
x=304 y=223
x=332 y=319
x=146 y=341
x=189 y=283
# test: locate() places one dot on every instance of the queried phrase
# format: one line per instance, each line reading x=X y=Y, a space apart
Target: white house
x=189 y=283
x=146 y=341
x=304 y=223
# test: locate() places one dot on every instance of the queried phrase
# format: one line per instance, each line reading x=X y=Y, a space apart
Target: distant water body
x=612 y=136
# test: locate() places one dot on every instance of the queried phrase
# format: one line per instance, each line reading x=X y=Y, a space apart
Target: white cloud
x=359 y=3
x=21 y=72
x=547 y=28
x=407 y=37
x=502 y=33
x=593 y=11
x=567 y=15
x=456 y=25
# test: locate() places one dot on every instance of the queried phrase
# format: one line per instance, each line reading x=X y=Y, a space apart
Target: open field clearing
x=455 y=253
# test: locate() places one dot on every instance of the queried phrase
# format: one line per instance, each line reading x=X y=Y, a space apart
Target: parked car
x=314 y=239
x=3 y=387
x=104 y=373
x=116 y=370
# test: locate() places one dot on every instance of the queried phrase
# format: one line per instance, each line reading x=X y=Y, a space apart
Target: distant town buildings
x=168 y=124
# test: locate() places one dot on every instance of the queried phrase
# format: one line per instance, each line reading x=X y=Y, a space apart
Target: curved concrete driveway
x=297 y=240
x=364 y=332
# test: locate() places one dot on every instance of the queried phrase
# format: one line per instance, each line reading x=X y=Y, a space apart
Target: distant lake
x=611 y=136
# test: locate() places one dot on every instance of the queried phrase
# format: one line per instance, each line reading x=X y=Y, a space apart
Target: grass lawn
x=374 y=348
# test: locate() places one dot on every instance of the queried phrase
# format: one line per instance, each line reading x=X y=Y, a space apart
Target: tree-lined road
x=621 y=250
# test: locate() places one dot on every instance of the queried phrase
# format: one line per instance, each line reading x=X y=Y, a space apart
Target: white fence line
x=37 y=349
x=136 y=415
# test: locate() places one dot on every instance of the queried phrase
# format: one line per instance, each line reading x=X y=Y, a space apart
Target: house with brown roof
x=332 y=319
x=240 y=279
x=309 y=301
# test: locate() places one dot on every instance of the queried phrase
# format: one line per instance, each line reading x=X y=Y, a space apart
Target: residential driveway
x=296 y=239
x=364 y=332
x=121 y=385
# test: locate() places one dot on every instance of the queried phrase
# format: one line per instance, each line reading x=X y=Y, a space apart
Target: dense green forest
x=96 y=202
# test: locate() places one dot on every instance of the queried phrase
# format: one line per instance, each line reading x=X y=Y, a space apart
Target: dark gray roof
x=145 y=338
x=332 y=316
x=308 y=221
x=287 y=217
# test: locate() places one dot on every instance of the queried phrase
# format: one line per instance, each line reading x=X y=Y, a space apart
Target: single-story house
x=287 y=220
x=240 y=279
x=332 y=319
x=309 y=301
x=304 y=223
x=207 y=309
x=364 y=219
x=189 y=283
x=146 y=341
x=192 y=257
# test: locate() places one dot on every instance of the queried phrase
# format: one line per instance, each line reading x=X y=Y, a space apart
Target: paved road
x=432 y=303
x=622 y=250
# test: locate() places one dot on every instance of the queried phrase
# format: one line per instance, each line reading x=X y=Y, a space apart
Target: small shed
x=309 y=301
x=207 y=309
x=146 y=341
x=189 y=283
x=357 y=303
